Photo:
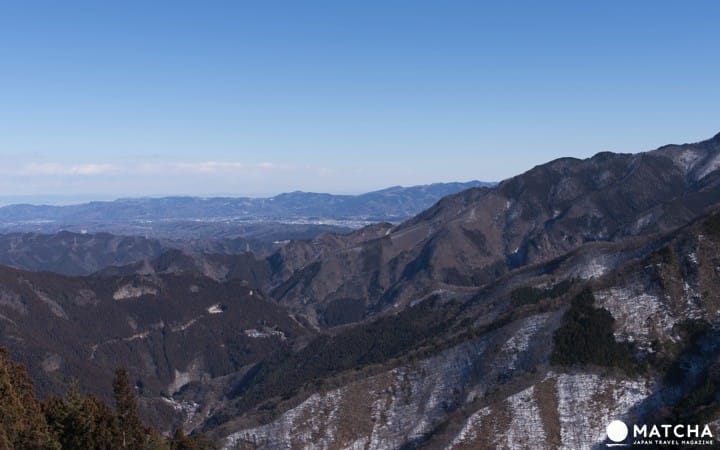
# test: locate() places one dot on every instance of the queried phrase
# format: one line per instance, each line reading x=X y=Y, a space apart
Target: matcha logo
x=617 y=432
x=659 y=435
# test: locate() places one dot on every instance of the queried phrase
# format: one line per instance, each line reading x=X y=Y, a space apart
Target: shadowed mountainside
x=469 y=239
x=72 y=253
x=168 y=330
x=578 y=292
x=610 y=330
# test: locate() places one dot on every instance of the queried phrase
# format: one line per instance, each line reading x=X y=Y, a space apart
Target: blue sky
x=108 y=99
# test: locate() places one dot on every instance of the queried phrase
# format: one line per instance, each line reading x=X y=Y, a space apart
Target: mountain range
x=528 y=314
x=84 y=238
x=187 y=217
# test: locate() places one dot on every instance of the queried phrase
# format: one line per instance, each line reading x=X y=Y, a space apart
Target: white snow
x=129 y=291
x=215 y=309
x=526 y=428
x=588 y=402
x=469 y=432
x=595 y=268
x=54 y=306
x=686 y=159
x=643 y=222
x=693 y=301
x=12 y=300
x=185 y=326
x=640 y=316
x=714 y=164
x=180 y=380
x=397 y=406
x=520 y=341
x=136 y=336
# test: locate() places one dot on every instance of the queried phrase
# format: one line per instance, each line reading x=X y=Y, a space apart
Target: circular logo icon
x=617 y=431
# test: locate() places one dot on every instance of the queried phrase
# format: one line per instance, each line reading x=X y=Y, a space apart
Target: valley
x=523 y=314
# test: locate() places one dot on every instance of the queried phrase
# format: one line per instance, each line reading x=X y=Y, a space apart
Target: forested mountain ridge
x=390 y=204
x=471 y=238
x=576 y=293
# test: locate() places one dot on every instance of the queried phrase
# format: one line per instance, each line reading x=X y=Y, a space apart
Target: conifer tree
x=81 y=421
x=130 y=429
x=22 y=424
x=76 y=421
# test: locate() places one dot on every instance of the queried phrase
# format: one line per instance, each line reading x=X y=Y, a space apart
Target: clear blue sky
x=245 y=98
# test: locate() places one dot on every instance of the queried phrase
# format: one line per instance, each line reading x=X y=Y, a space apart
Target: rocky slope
x=495 y=384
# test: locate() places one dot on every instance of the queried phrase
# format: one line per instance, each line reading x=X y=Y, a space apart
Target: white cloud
x=65 y=169
x=210 y=166
x=159 y=168
x=220 y=167
x=138 y=177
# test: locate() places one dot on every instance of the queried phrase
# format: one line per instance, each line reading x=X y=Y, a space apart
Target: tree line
x=76 y=420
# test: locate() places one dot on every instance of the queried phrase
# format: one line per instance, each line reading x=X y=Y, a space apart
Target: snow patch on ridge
x=520 y=341
x=685 y=159
x=588 y=402
x=129 y=291
x=216 y=309
x=470 y=431
x=641 y=316
x=595 y=268
x=712 y=165
x=526 y=427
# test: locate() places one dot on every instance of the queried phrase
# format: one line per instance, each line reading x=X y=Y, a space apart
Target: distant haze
x=57 y=200
x=66 y=200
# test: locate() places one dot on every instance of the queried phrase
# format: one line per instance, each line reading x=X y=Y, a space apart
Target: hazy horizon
x=65 y=200
x=157 y=99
